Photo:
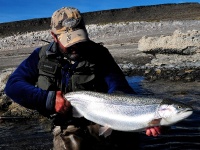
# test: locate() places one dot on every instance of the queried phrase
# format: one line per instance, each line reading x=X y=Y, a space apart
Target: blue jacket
x=21 y=87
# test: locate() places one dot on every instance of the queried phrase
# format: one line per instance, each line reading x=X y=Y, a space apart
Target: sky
x=17 y=10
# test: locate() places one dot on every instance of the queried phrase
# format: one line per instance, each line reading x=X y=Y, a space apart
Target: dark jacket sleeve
x=21 y=88
x=113 y=75
x=115 y=78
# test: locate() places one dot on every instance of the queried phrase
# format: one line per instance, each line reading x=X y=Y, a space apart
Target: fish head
x=172 y=112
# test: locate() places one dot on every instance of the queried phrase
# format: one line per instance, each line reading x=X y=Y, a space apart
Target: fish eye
x=179 y=107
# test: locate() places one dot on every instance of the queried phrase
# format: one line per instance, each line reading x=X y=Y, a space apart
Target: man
x=72 y=62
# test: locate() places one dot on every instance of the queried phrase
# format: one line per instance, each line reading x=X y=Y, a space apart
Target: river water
x=184 y=135
x=36 y=135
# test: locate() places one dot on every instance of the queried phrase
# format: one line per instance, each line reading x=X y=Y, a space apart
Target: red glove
x=62 y=106
x=153 y=131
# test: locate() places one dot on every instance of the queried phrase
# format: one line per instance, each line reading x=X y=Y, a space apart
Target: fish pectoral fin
x=76 y=113
x=106 y=131
x=155 y=122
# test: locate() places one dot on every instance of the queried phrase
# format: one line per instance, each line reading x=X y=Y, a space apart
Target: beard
x=73 y=56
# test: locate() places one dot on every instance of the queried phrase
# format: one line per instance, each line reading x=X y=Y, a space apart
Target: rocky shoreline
x=140 y=48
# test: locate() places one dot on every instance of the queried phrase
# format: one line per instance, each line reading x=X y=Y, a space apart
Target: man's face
x=71 y=52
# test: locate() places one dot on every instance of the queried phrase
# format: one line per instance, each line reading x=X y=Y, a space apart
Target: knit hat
x=68 y=24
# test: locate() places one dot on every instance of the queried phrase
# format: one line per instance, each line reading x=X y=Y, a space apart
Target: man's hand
x=62 y=106
x=153 y=131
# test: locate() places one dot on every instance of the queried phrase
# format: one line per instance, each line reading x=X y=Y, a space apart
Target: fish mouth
x=189 y=110
x=187 y=113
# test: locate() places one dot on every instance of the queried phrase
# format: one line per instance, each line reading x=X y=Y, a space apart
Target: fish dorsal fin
x=155 y=122
x=76 y=113
x=106 y=131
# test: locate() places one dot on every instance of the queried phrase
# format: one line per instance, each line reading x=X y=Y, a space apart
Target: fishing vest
x=50 y=66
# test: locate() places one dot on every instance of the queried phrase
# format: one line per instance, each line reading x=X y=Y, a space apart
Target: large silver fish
x=126 y=112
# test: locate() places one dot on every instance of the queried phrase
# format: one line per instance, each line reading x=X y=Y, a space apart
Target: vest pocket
x=83 y=82
x=44 y=82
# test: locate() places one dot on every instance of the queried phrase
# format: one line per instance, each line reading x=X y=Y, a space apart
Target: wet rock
x=189 y=78
x=158 y=71
x=189 y=50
